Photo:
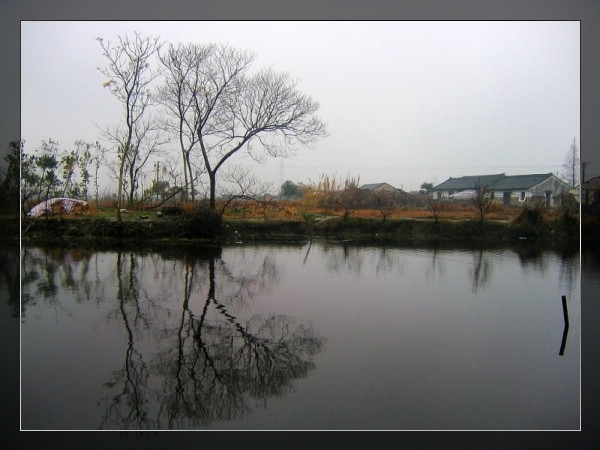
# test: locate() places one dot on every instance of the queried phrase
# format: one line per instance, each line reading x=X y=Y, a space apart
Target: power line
x=267 y=166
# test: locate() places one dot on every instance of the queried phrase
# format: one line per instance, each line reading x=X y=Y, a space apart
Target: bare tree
x=571 y=167
x=386 y=203
x=183 y=82
x=84 y=159
x=262 y=113
x=98 y=160
x=149 y=140
x=241 y=184
x=130 y=77
x=349 y=198
x=482 y=201
x=436 y=206
x=68 y=162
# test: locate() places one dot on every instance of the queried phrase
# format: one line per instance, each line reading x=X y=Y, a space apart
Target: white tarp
x=67 y=205
x=463 y=195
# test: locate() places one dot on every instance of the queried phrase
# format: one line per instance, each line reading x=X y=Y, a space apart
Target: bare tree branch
x=241 y=184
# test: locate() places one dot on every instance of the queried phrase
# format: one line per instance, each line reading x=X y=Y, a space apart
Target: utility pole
x=583 y=164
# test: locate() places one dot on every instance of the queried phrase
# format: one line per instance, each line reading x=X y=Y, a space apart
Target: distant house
x=590 y=191
x=400 y=196
x=453 y=186
x=509 y=190
x=379 y=187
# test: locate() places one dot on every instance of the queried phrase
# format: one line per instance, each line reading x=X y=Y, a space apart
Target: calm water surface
x=310 y=336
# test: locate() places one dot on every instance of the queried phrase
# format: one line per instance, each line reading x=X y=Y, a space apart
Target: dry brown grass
x=296 y=210
x=451 y=212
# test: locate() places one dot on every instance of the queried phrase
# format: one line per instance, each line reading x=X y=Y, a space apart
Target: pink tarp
x=67 y=205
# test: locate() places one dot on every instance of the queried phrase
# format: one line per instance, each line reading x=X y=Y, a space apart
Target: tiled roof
x=373 y=186
x=493 y=182
x=515 y=182
x=468 y=182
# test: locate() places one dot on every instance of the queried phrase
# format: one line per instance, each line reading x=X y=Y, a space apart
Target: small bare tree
x=482 y=201
x=349 y=198
x=436 y=206
x=386 y=203
x=243 y=185
x=98 y=159
x=571 y=167
x=130 y=76
x=84 y=159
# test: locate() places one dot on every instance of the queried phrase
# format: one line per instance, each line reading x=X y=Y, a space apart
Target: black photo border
x=587 y=12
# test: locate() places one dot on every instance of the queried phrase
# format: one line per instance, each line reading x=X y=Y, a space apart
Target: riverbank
x=83 y=231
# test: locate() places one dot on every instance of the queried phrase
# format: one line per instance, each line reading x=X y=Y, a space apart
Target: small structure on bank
x=383 y=190
x=379 y=187
x=59 y=206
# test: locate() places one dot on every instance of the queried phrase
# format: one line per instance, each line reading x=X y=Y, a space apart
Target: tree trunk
x=131 y=186
x=212 y=175
x=191 y=177
x=185 y=179
x=120 y=186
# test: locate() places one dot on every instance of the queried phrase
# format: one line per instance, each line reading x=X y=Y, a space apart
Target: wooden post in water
x=565 y=312
x=563 y=342
x=566 y=330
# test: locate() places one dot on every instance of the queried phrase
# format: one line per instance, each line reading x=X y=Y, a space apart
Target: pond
x=308 y=336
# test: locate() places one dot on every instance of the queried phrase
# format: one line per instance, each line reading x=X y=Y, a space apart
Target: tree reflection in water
x=349 y=256
x=132 y=340
x=482 y=270
x=213 y=367
x=9 y=277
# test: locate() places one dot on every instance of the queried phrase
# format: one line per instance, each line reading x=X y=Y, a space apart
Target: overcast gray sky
x=405 y=102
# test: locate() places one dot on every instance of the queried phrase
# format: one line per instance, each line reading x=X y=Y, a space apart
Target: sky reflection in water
x=307 y=336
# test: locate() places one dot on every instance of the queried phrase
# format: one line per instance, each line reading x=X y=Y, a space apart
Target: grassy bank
x=184 y=229
x=413 y=230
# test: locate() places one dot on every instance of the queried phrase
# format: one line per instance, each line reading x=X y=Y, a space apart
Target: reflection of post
x=566 y=330
x=307 y=252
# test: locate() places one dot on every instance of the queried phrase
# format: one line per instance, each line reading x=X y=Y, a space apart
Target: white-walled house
x=453 y=186
x=510 y=190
